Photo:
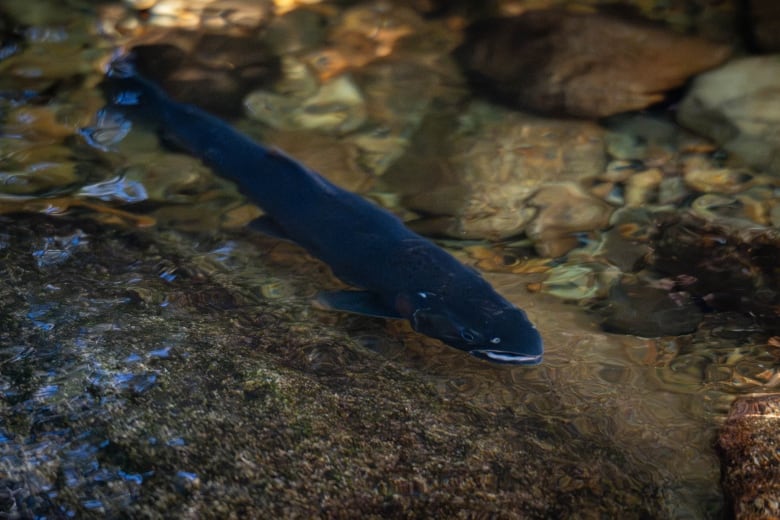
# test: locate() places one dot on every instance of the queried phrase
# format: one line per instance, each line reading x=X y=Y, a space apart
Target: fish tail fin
x=131 y=94
x=129 y=99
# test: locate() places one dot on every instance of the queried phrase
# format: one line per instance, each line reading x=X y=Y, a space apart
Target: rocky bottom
x=137 y=381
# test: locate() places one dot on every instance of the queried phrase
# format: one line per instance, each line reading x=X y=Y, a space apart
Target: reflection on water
x=387 y=111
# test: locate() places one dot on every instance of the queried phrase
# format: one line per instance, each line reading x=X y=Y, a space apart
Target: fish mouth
x=509 y=358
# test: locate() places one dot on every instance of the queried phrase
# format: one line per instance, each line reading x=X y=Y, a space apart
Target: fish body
x=399 y=273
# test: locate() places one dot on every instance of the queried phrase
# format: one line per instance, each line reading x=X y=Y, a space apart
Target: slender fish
x=399 y=273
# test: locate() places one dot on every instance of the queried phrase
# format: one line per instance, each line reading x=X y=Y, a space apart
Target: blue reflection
x=117 y=188
x=131 y=477
x=109 y=129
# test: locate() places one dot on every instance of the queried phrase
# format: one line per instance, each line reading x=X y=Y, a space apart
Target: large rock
x=143 y=376
x=729 y=263
x=738 y=106
x=473 y=177
x=585 y=65
x=749 y=444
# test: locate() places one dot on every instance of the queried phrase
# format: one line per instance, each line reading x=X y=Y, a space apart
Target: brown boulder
x=471 y=177
x=213 y=71
x=582 y=64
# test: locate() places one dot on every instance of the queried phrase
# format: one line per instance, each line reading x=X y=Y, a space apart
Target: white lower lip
x=509 y=358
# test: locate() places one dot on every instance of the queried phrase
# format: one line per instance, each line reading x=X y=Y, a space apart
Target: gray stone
x=738 y=106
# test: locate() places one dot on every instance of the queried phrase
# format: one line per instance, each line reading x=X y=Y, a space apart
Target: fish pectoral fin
x=356 y=302
x=268 y=226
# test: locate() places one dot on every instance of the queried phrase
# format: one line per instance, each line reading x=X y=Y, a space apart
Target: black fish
x=400 y=273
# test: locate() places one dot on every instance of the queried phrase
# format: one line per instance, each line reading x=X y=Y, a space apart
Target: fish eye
x=495 y=341
x=469 y=335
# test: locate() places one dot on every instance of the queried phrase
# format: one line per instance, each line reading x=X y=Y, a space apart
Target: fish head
x=496 y=333
x=509 y=337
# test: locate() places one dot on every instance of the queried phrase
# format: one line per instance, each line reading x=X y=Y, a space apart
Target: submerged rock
x=336 y=159
x=369 y=79
x=648 y=308
x=721 y=180
x=638 y=136
x=581 y=64
x=214 y=71
x=738 y=106
x=145 y=375
x=362 y=33
x=749 y=444
x=563 y=211
x=626 y=243
x=729 y=263
x=40 y=170
x=399 y=93
x=663 y=272
x=475 y=182
x=299 y=30
x=220 y=15
x=336 y=106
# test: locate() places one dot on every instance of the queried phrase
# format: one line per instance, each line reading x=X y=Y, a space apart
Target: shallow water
x=657 y=402
x=598 y=382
